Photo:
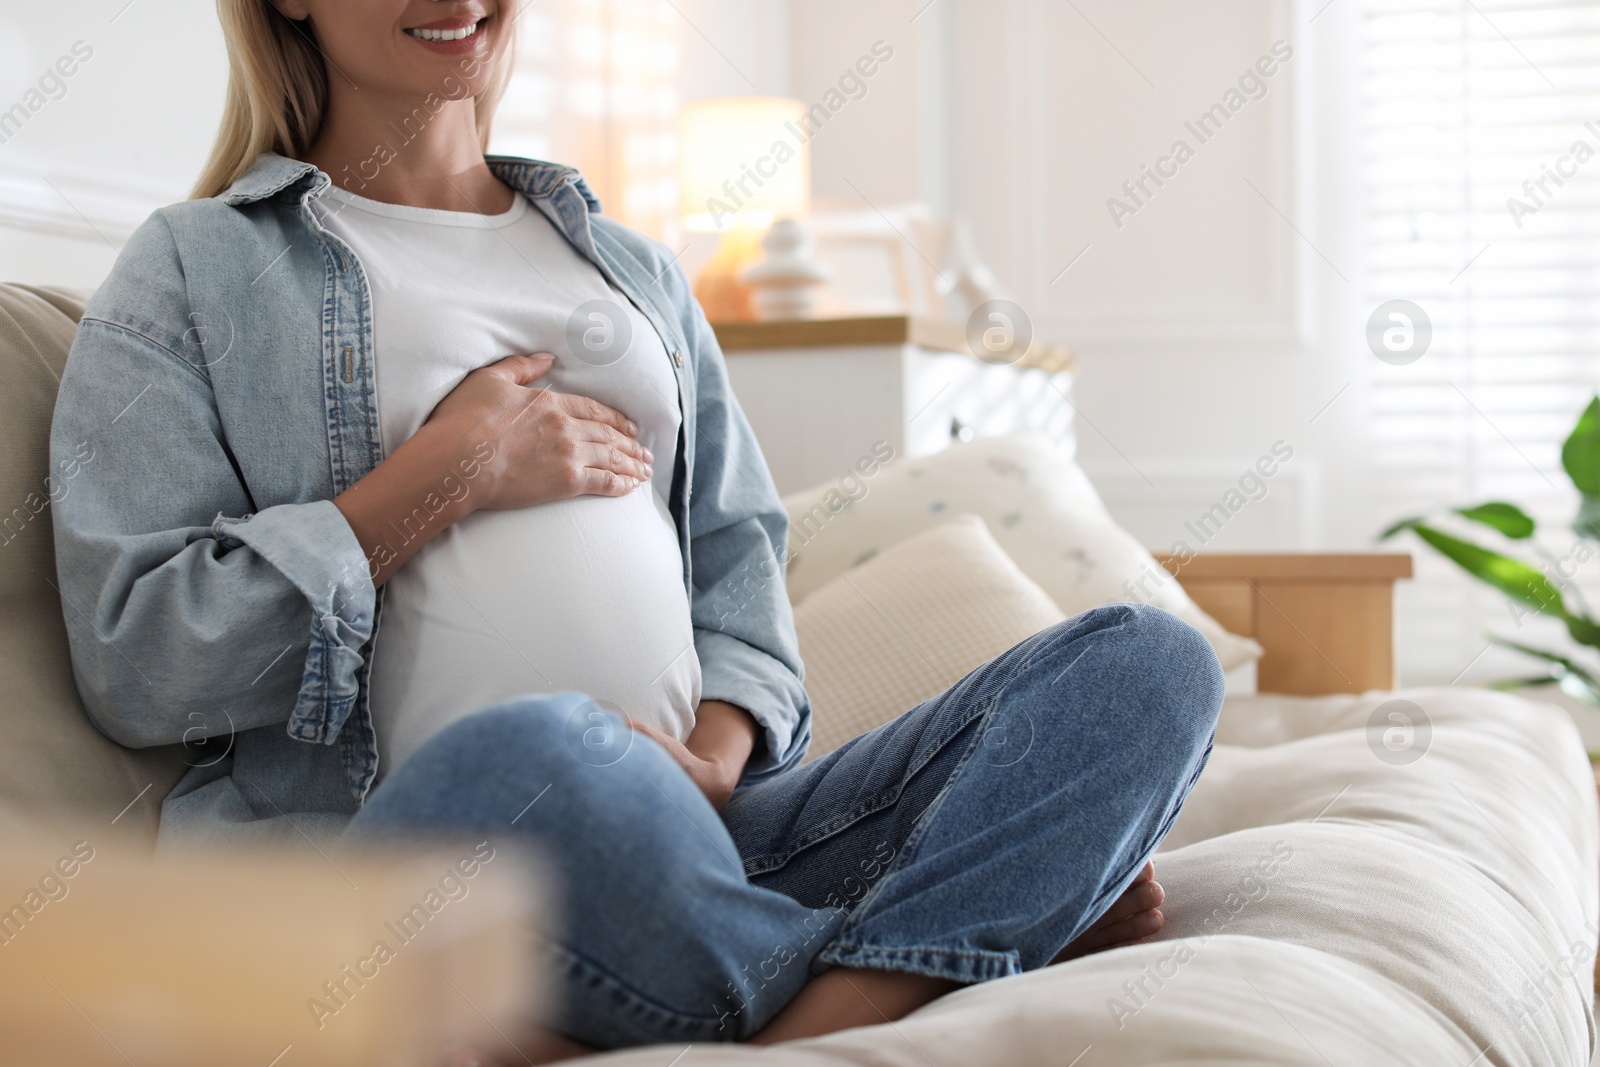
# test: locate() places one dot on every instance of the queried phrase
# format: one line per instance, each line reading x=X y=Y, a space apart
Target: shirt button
x=677 y=356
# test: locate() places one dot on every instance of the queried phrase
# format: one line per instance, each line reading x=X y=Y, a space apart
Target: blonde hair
x=278 y=90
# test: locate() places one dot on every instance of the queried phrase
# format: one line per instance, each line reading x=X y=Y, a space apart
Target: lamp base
x=720 y=288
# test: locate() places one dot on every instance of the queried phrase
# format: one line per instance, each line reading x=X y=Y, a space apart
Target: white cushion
x=906 y=625
x=1423 y=912
x=1038 y=504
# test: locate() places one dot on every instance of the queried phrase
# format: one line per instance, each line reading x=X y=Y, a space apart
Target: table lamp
x=744 y=162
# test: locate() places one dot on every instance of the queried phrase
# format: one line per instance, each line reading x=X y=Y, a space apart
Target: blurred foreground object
x=309 y=958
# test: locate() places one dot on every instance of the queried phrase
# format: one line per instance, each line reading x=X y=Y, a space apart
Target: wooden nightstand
x=821 y=392
x=1326 y=620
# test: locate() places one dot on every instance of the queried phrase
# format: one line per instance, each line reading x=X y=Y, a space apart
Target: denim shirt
x=215 y=596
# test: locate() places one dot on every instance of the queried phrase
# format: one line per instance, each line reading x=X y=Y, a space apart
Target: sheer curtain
x=596 y=87
x=1482 y=177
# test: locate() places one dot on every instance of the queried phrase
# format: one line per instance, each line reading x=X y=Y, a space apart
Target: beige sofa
x=54 y=763
x=1326 y=905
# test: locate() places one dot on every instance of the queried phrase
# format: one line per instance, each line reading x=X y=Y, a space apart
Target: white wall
x=734 y=48
x=1207 y=328
x=128 y=134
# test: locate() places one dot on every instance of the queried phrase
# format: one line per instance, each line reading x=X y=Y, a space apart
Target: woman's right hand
x=545 y=445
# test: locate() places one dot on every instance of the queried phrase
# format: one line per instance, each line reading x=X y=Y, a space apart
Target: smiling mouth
x=460 y=34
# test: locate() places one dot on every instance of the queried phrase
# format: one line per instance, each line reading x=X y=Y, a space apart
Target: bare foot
x=844 y=998
x=841 y=998
x=534 y=1045
x=1135 y=916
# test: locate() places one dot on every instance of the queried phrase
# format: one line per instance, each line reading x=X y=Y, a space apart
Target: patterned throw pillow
x=906 y=625
x=1037 y=502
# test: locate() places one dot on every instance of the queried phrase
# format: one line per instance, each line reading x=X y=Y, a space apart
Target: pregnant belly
x=584 y=594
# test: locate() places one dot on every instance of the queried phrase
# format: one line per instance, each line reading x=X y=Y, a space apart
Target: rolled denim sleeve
x=312 y=547
x=744 y=625
x=184 y=622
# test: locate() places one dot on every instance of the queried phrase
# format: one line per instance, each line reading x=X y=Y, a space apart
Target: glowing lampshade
x=742 y=163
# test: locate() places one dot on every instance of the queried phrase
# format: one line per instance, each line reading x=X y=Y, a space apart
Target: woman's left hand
x=715 y=754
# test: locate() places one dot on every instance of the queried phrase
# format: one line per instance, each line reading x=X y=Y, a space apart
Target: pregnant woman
x=421 y=494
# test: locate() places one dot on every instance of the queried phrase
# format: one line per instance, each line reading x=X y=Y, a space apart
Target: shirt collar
x=272 y=174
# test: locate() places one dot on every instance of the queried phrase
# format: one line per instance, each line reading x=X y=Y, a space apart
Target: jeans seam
x=639 y=1008
x=886 y=798
x=919 y=829
x=970 y=967
x=762 y=864
x=914 y=838
x=141 y=335
x=924 y=950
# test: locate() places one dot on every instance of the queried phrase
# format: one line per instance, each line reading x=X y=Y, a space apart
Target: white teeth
x=446 y=35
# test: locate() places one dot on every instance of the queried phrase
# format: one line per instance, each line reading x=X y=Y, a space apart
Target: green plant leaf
x=1583 y=630
x=1587 y=524
x=1507 y=518
x=1580 y=455
x=1564 y=666
x=1511 y=576
x=1507 y=684
x=1401 y=526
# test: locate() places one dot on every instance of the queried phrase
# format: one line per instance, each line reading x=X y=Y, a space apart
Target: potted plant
x=1538 y=590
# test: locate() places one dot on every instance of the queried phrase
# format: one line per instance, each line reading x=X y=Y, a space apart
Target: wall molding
x=80 y=205
x=1014 y=114
x=1284 y=517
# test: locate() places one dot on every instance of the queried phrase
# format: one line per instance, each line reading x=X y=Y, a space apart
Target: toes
x=1143 y=896
x=1144 y=924
x=1125 y=932
x=1133 y=915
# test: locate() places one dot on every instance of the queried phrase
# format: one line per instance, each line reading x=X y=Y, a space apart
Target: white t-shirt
x=583 y=594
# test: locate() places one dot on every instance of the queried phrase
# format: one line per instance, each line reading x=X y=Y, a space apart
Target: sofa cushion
x=54 y=763
x=905 y=626
x=1038 y=504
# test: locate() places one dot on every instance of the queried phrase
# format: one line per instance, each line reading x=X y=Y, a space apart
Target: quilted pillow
x=1037 y=502
x=905 y=626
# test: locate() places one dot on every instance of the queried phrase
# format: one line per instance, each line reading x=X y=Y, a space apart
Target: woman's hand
x=718 y=748
x=492 y=444
x=546 y=445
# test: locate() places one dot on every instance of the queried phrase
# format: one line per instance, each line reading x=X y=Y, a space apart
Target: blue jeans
x=972 y=838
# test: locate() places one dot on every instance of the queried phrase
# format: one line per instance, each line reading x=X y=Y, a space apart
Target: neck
x=420 y=153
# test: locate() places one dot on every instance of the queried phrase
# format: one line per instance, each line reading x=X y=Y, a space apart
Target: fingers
x=600 y=433
x=593 y=411
x=609 y=459
x=645 y=728
x=658 y=736
x=593 y=481
x=522 y=370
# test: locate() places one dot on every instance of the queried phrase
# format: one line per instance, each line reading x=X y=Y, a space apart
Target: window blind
x=1482 y=180
x=596 y=87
